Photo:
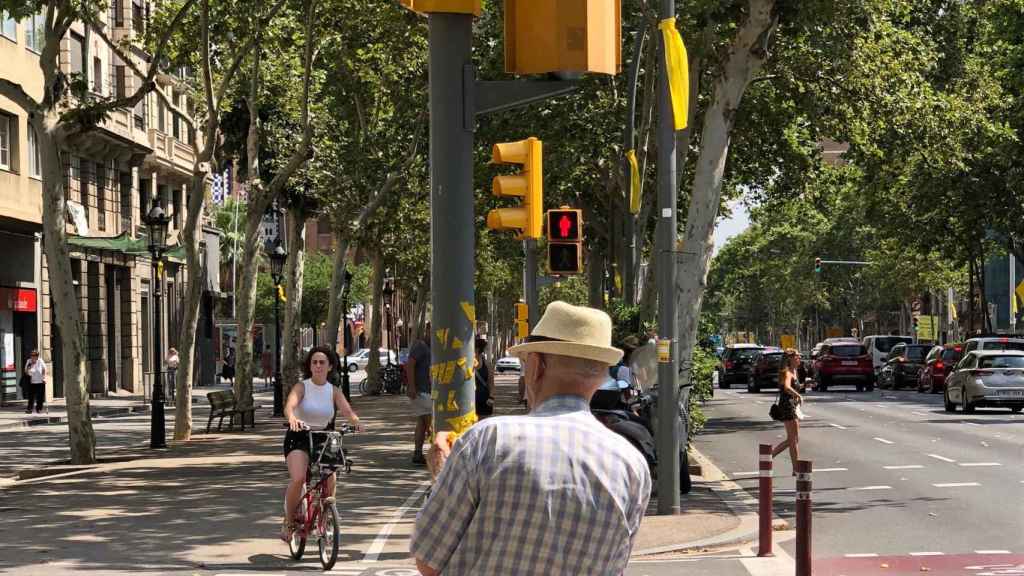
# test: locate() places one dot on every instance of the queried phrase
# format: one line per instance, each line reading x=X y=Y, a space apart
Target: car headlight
x=979 y=382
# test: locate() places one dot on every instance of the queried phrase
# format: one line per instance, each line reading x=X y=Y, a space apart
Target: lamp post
x=345 y=389
x=277 y=256
x=156 y=224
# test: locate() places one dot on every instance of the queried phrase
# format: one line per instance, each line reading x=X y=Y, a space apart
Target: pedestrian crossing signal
x=564 y=225
x=565 y=258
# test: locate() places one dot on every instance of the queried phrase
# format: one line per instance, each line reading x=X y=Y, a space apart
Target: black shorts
x=298 y=440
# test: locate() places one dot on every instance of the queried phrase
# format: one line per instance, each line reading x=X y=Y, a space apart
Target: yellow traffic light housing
x=443 y=6
x=528 y=184
x=563 y=36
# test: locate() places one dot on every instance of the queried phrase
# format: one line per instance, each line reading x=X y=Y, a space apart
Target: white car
x=508 y=364
x=361 y=359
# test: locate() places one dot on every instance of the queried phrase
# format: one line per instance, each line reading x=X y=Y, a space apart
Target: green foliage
x=702 y=367
x=572 y=289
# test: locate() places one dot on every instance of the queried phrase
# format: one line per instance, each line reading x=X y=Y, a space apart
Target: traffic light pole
x=530 y=280
x=668 y=441
x=452 y=225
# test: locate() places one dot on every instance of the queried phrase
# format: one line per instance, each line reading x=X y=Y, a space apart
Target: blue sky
x=738 y=222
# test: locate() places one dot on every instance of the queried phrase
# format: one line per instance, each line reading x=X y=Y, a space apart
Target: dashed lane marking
x=830 y=469
x=972 y=423
x=905 y=467
x=867 y=555
x=375 y=549
x=871 y=488
x=955 y=484
x=837 y=426
x=943 y=458
x=919 y=413
x=976 y=464
x=884 y=441
x=927 y=553
x=991 y=551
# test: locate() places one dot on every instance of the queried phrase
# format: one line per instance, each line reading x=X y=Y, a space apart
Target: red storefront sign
x=18 y=299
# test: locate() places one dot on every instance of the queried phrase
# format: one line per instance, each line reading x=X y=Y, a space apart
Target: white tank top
x=317 y=406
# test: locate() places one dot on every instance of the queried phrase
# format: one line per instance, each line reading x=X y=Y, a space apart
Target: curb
x=99 y=413
x=746 y=532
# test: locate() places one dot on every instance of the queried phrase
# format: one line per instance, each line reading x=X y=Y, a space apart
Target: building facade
x=134 y=158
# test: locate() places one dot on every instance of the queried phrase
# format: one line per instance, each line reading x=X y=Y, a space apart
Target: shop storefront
x=18 y=336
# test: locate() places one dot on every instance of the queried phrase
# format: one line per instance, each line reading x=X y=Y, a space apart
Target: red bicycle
x=320 y=518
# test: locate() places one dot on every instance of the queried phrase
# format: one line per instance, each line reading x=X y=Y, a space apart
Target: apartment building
x=136 y=157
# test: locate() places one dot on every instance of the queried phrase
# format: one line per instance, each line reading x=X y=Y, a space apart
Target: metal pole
x=629 y=136
x=278 y=392
x=764 y=500
x=668 y=441
x=345 y=384
x=530 y=281
x=452 y=220
x=1013 y=286
x=157 y=423
x=803 y=518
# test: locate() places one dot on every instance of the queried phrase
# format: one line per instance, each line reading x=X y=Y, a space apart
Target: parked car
x=880 y=346
x=987 y=379
x=737 y=362
x=993 y=343
x=937 y=366
x=361 y=359
x=903 y=365
x=842 y=362
x=765 y=371
x=508 y=364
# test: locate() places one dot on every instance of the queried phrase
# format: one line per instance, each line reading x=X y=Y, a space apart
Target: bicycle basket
x=325 y=449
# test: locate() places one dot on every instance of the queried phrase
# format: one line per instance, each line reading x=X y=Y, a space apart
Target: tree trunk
x=595 y=273
x=65 y=310
x=746 y=56
x=377 y=311
x=291 y=340
x=334 y=307
x=246 y=294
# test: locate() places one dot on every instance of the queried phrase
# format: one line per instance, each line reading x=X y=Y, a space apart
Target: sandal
x=287 y=529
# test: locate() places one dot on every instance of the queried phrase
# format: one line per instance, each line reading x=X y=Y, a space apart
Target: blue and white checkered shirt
x=550 y=493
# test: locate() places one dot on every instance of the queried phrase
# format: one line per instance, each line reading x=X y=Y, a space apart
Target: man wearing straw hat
x=553 y=492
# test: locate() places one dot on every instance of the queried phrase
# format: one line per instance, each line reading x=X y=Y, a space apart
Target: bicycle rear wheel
x=330 y=535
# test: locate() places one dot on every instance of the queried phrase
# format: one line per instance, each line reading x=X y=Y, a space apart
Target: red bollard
x=803 y=518
x=764 y=500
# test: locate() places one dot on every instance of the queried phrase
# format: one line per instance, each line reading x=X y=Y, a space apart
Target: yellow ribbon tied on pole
x=634 y=183
x=678 y=67
x=280 y=293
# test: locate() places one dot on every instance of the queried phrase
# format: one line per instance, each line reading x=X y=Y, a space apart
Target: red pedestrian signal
x=564 y=225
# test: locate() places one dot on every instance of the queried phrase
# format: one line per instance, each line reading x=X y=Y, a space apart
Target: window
x=161 y=115
x=101 y=195
x=125 y=183
x=84 y=170
x=175 y=119
x=117 y=7
x=5 y=142
x=77 y=54
x=35 y=167
x=97 y=76
x=177 y=208
x=8 y=27
x=120 y=81
x=138 y=23
x=35 y=33
x=141 y=108
x=144 y=197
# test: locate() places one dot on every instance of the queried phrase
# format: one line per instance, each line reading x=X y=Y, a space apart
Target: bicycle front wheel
x=330 y=536
x=297 y=544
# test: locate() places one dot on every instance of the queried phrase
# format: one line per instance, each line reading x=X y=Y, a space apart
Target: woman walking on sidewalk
x=789 y=401
x=36 y=369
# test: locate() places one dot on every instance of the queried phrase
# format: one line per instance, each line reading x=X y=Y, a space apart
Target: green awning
x=125 y=244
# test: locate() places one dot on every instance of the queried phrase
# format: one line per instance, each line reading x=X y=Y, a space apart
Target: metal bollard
x=803 y=518
x=764 y=500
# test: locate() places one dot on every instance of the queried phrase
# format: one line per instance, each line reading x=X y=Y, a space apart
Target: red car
x=843 y=362
x=937 y=366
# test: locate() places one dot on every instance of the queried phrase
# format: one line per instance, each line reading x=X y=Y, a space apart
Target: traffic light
x=565 y=257
x=522 y=320
x=916 y=324
x=564 y=225
x=528 y=184
x=817 y=265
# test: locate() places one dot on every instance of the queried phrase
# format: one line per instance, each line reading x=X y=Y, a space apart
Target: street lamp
x=156 y=225
x=277 y=257
x=345 y=389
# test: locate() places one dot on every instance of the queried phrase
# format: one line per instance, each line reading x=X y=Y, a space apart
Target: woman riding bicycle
x=312 y=404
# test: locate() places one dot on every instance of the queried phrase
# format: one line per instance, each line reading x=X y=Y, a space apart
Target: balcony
x=171 y=153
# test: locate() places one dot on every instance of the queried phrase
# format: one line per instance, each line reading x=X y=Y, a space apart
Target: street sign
x=928 y=327
x=787 y=341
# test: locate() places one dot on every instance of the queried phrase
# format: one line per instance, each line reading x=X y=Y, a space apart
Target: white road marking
x=830 y=469
x=860 y=555
x=980 y=464
x=972 y=423
x=955 y=484
x=906 y=467
x=780 y=563
x=919 y=413
x=373 y=552
x=837 y=426
x=871 y=488
x=943 y=458
x=991 y=551
x=754 y=473
x=882 y=405
x=884 y=441
x=927 y=553
x=758 y=401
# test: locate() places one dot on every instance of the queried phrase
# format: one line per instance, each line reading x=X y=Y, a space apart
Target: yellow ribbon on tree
x=678 y=67
x=280 y=293
x=634 y=182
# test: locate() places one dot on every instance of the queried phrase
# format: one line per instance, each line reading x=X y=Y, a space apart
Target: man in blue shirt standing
x=417 y=377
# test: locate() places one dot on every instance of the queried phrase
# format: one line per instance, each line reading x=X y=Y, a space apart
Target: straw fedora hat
x=576 y=331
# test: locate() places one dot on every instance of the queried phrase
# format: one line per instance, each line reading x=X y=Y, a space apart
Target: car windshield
x=917 y=353
x=848 y=350
x=999 y=345
x=951 y=355
x=885 y=343
x=743 y=353
x=1001 y=362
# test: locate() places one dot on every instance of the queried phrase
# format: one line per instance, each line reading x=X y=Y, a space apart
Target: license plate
x=849 y=363
x=1011 y=393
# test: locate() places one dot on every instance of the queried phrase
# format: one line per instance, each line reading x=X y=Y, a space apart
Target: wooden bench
x=223 y=404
